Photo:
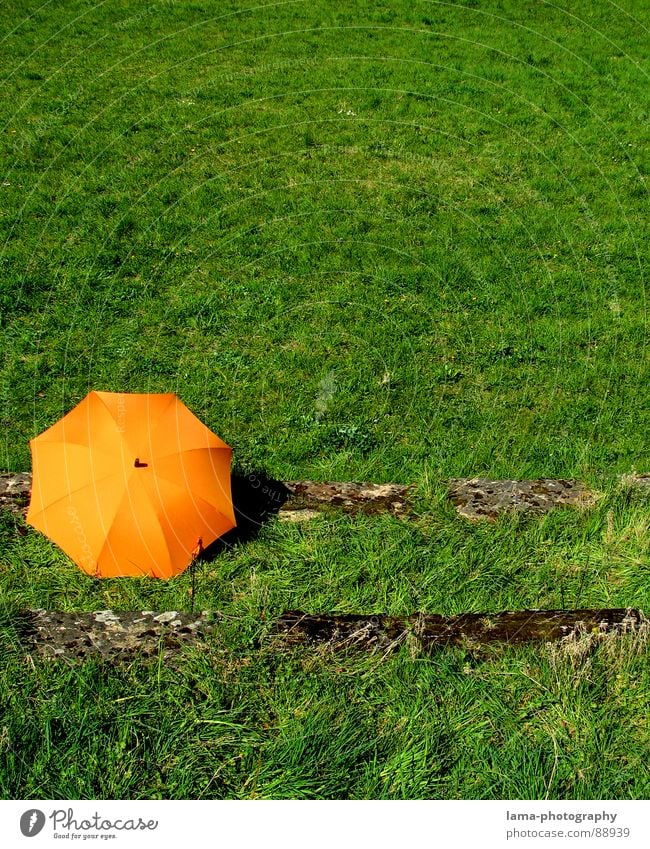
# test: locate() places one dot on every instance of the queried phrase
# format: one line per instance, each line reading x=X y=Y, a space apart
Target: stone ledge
x=113 y=635
x=480 y=498
x=117 y=636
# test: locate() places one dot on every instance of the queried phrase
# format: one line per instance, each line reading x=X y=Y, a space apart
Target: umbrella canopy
x=131 y=485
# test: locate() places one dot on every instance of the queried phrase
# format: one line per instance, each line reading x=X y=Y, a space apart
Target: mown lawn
x=397 y=241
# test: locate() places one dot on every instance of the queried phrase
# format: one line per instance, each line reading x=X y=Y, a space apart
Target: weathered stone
x=169 y=616
x=15 y=488
x=113 y=635
x=431 y=631
x=480 y=498
x=348 y=496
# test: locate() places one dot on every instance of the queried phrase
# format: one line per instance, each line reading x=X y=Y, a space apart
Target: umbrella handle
x=196 y=552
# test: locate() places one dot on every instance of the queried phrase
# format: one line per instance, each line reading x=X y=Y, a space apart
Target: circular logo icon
x=32 y=822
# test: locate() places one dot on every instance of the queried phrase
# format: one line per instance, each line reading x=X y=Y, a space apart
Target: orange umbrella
x=131 y=484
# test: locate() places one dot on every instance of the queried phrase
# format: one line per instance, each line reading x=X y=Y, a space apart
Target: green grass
x=401 y=242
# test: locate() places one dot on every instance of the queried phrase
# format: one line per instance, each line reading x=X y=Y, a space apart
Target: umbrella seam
x=213 y=508
x=161 y=415
x=74 y=492
x=110 y=525
x=172 y=397
x=184 y=488
x=187 y=483
x=187 y=451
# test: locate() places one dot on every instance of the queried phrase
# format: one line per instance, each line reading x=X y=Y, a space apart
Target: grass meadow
x=395 y=241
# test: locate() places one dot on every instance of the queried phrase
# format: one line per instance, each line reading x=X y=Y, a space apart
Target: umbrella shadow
x=256 y=499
